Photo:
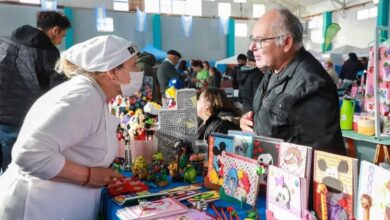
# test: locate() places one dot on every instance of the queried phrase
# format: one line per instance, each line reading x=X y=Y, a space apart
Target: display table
x=382 y=152
x=109 y=207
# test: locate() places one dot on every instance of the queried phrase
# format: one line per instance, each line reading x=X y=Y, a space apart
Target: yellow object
x=366 y=126
x=321 y=189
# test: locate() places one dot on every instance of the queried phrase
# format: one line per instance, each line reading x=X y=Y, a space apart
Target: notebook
x=339 y=175
x=152 y=210
x=266 y=152
x=286 y=195
x=131 y=198
x=218 y=143
x=241 y=180
x=373 y=200
x=243 y=143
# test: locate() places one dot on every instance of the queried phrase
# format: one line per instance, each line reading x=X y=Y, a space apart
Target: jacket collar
x=289 y=71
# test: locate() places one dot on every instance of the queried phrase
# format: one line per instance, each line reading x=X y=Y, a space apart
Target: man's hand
x=246 y=122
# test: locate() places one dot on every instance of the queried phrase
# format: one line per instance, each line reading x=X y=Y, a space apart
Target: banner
x=186 y=23
x=141 y=21
x=48 y=5
x=224 y=25
x=330 y=33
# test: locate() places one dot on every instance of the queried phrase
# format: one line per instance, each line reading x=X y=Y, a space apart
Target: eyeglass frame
x=259 y=41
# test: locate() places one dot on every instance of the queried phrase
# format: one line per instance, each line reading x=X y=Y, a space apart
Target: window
x=224 y=9
x=166 y=6
x=240 y=1
x=194 y=7
x=152 y=6
x=105 y=24
x=31 y=1
x=241 y=30
x=315 y=22
x=258 y=10
x=178 y=7
x=373 y=13
x=363 y=14
x=316 y=36
x=121 y=5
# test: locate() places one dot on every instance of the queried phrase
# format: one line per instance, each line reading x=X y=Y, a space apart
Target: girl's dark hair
x=197 y=63
x=49 y=19
x=216 y=71
x=219 y=101
x=182 y=65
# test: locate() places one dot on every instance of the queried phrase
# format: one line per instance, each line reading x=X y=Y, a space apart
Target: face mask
x=135 y=84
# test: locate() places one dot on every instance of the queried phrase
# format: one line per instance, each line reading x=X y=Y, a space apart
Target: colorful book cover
x=286 y=194
x=339 y=175
x=131 y=198
x=266 y=152
x=183 y=195
x=296 y=159
x=243 y=143
x=241 y=180
x=182 y=188
x=152 y=210
x=218 y=143
x=374 y=192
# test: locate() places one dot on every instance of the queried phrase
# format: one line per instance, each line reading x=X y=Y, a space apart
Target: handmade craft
x=240 y=179
x=243 y=143
x=374 y=192
x=339 y=175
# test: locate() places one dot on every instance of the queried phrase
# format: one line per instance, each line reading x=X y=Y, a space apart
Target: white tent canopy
x=346 y=49
x=229 y=60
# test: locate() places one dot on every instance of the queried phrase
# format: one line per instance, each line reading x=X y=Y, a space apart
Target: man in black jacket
x=167 y=71
x=27 y=60
x=298 y=101
x=249 y=78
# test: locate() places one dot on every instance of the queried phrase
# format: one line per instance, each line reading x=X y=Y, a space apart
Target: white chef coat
x=71 y=122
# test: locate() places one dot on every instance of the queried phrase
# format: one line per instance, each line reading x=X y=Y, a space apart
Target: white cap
x=102 y=53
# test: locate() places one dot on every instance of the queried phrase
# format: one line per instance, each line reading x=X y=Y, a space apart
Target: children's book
x=208 y=196
x=182 y=188
x=243 y=143
x=374 y=192
x=218 y=143
x=339 y=175
x=266 y=152
x=152 y=210
x=286 y=195
x=183 y=195
x=193 y=214
x=241 y=180
x=132 y=198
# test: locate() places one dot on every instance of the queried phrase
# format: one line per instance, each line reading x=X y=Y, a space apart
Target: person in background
x=350 y=68
x=216 y=77
x=332 y=73
x=297 y=101
x=216 y=112
x=241 y=61
x=249 y=78
x=27 y=71
x=145 y=62
x=182 y=68
x=202 y=75
x=167 y=70
x=206 y=65
x=68 y=138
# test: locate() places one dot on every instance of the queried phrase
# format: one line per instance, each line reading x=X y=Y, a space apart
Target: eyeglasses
x=259 y=42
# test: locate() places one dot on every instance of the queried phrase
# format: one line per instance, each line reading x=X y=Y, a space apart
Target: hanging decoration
x=141 y=21
x=186 y=23
x=330 y=33
x=224 y=25
x=103 y=23
x=49 y=5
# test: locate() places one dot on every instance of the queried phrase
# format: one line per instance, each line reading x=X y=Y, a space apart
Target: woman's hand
x=100 y=176
x=246 y=122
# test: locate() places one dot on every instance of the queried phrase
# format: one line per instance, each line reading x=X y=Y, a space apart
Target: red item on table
x=126 y=185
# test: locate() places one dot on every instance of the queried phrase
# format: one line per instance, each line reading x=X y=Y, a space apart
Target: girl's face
x=203 y=107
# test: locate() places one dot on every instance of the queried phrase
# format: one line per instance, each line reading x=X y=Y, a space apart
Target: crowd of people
x=65 y=136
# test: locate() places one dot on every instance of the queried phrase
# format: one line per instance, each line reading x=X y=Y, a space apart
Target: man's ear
x=288 y=43
x=55 y=30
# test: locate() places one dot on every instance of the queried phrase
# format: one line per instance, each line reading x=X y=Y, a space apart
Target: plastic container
x=366 y=126
x=346 y=114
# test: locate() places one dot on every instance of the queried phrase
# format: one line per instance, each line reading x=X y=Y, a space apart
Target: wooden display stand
x=382 y=154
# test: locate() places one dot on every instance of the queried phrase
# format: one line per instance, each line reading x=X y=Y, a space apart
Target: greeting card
x=266 y=152
x=241 y=180
x=296 y=159
x=374 y=192
x=286 y=195
x=243 y=142
x=218 y=143
x=339 y=175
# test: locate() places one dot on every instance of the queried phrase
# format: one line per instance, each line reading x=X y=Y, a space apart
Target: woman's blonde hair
x=66 y=67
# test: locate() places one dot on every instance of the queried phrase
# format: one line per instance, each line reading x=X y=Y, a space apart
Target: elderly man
x=166 y=71
x=297 y=101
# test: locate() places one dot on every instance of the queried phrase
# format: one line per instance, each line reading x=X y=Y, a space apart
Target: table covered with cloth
x=109 y=207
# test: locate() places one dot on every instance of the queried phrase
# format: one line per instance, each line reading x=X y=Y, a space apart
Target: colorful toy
x=189 y=174
x=158 y=172
x=140 y=168
x=170 y=94
x=197 y=160
x=126 y=185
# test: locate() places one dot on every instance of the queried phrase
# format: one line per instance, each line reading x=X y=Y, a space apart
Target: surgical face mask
x=129 y=89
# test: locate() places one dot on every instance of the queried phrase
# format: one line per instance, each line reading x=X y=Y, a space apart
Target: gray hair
x=288 y=23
